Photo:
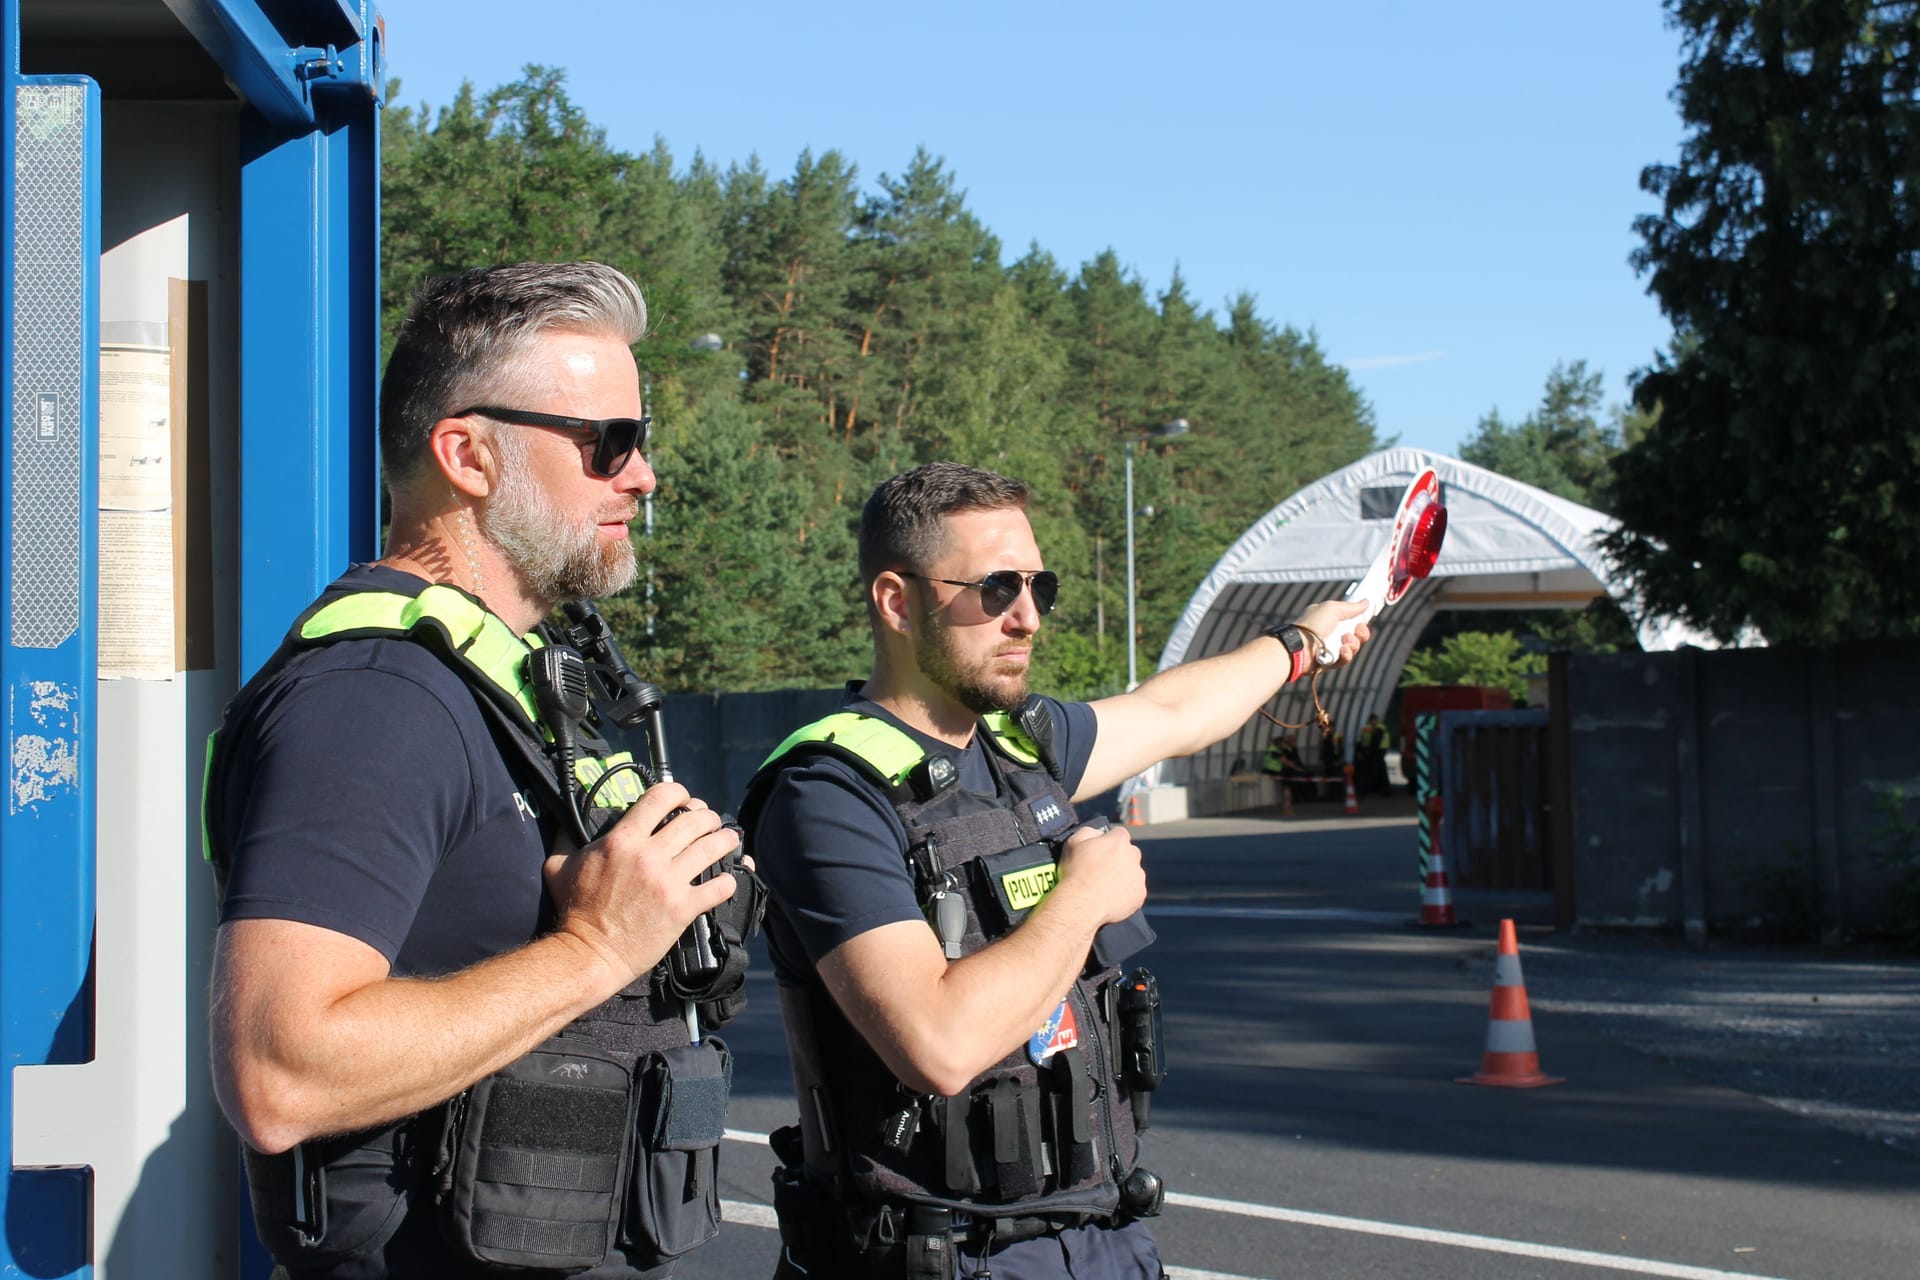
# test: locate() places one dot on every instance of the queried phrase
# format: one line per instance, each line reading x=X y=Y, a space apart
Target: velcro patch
x=1024 y=887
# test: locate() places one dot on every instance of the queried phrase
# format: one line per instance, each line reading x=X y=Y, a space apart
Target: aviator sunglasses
x=614 y=439
x=999 y=589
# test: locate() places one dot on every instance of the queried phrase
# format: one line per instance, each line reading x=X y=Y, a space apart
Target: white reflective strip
x=1506 y=971
x=1509 y=1037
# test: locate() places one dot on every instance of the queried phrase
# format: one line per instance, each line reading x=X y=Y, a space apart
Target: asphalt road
x=1311 y=1126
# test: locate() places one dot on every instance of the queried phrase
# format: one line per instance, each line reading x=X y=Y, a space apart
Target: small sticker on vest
x=1024 y=888
x=1061 y=1031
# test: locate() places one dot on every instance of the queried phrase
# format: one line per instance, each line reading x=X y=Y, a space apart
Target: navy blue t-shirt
x=834 y=853
x=365 y=794
x=834 y=856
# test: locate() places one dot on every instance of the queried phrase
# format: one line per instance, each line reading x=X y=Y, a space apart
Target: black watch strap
x=1287 y=634
x=1295 y=641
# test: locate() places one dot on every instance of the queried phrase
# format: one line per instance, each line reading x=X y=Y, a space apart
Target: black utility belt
x=897 y=1240
x=560 y=1161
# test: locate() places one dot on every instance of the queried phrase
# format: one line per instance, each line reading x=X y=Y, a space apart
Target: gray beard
x=555 y=558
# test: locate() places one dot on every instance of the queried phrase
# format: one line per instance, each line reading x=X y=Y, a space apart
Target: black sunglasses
x=999 y=589
x=614 y=439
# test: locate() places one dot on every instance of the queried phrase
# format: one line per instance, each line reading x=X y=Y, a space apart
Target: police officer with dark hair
x=973 y=1038
x=439 y=1022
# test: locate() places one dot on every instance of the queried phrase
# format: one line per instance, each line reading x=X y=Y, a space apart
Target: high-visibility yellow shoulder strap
x=888 y=751
x=1011 y=738
x=472 y=630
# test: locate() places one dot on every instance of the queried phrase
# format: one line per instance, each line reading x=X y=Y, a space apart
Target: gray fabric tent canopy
x=1508 y=546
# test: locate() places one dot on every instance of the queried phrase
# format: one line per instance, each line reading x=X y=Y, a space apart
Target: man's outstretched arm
x=1185 y=708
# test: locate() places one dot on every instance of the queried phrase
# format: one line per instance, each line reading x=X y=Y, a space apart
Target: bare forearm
x=390 y=1048
x=1005 y=991
x=1203 y=701
x=1196 y=704
x=970 y=1013
x=1180 y=710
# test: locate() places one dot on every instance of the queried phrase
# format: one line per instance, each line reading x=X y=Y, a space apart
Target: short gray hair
x=466 y=337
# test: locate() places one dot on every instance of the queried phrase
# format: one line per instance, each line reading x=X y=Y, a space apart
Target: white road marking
x=1186 y=911
x=759 y=1215
x=746 y=1213
x=1461 y=1240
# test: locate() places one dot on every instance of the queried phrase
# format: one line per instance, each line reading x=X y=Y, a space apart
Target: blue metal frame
x=47 y=875
x=309 y=329
x=310 y=72
x=278 y=72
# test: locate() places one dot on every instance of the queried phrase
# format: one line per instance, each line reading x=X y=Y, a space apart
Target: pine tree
x=1780 y=486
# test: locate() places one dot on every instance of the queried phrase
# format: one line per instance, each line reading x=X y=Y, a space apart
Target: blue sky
x=1444 y=193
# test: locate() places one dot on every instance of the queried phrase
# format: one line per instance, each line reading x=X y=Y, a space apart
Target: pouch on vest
x=343 y=1190
x=674 y=1200
x=1013 y=1125
x=1074 y=1155
x=534 y=1159
x=1011 y=884
x=1114 y=944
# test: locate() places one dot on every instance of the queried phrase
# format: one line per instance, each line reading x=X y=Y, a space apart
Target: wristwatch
x=1290 y=636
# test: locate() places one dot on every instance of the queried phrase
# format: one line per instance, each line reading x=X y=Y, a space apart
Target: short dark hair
x=465 y=337
x=902 y=524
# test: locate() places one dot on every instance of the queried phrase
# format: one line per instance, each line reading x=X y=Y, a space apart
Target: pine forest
x=817 y=330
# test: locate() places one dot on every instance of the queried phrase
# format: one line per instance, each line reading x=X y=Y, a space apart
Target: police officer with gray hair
x=442 y=1022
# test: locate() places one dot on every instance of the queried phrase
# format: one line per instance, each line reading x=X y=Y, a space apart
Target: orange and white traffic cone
x=1436 y=895
x=1133 y=818
x=1353 y=797
x=1510 y=1060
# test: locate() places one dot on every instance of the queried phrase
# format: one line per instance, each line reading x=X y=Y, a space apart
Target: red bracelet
x=1302 y=663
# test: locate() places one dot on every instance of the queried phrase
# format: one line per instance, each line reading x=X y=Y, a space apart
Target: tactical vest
x=1028 y=1140
x=617 y=1120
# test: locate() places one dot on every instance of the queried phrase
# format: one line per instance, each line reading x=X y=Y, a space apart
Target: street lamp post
x=1166 y=430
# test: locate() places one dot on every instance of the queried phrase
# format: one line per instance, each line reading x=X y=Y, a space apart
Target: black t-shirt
x=366 y=795
x=833 y=851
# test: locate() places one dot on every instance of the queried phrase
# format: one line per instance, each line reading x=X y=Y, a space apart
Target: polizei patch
x=1023 y=889
x=1010 y=884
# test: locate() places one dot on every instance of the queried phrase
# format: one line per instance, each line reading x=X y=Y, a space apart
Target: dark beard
x=973 y=690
